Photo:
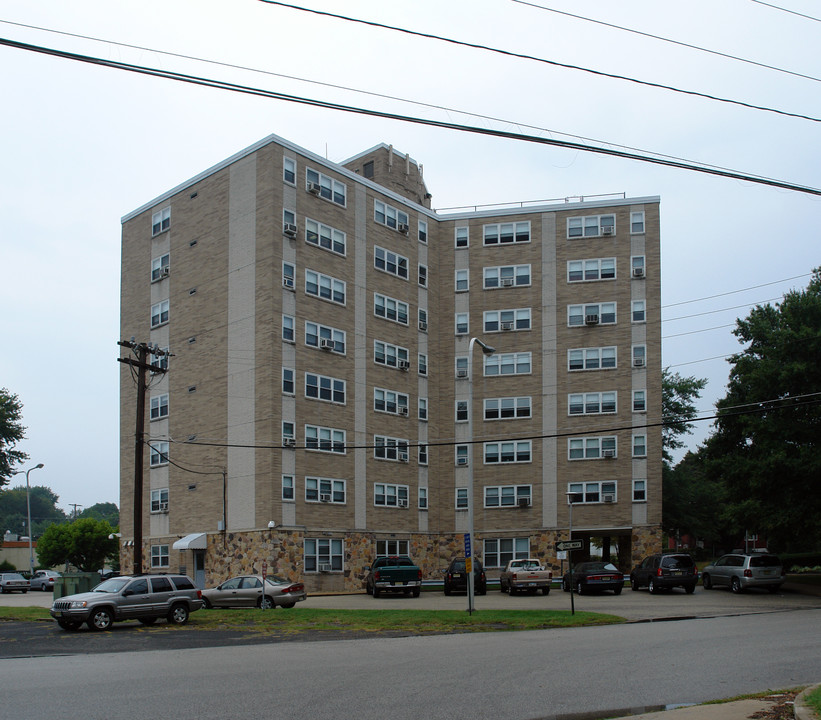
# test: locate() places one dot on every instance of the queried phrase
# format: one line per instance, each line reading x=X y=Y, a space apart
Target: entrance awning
x=195 y=541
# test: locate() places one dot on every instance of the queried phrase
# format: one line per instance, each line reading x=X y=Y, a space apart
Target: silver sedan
x=247 y=591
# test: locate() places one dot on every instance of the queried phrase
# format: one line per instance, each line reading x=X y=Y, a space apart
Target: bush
x=789 y=560
x=6 y=566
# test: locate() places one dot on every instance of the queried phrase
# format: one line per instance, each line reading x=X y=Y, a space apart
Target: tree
x=767 y=445
x=84 y=543
x=678 y=396
x=11 y=432
x=44 y=510
x=103 y=511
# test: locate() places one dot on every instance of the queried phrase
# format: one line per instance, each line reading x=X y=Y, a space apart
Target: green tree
x=84 y=543
x=11 y=432
x=44 y=510
x=103 y=511
x=678 y=397
x=767 y=445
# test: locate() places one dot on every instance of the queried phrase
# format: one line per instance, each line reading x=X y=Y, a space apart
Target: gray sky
x=82 y=146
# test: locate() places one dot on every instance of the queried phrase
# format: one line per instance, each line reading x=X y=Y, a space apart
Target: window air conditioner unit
x=325 y=497
x=461 y=461
x=608 y=453
x=507 y=325
x=314 y=188
x=326 y=344
x=524 y=502
x=638 y=272
x=638 y=362
x=289 y=230
x=462 y=373
x=325 y=567
x=288 y=282
x=591 y=319
x=403 y=228
x=403 y=502
x=164 y=271
x=423 y=326
x=163 y=507
x=403 y=365
x=403 y=410
x=608 y=230
x=403 y=457
x=288 y=442
x=609 y=497
x=507 y=282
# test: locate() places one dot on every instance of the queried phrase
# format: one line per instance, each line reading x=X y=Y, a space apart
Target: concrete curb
x=801 y=710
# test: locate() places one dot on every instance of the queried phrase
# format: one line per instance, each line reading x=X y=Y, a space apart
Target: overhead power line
x=669 y=40
x=523 y=56
x=505 y=134
x=791 y=12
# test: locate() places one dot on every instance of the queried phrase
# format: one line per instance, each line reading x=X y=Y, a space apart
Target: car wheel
x=690 y=589
x=447 y=590
x=100 y=619
x=69 y=624
x=178 y=615
x=735 y=585
x=579 y=587
x=511 y=590
x=288 y=606
x=634 y=584
x=706 y=582
x=545 y=591
x=376 y=593
x=416 y=592
x=502 y=587
x=483 y=591
x=148 y=620
x=652 y=587
x=206 y=603
x=617 y=591
x=266 y=603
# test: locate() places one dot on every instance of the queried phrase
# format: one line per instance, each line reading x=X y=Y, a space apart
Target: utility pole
x=74 y=512
x=142 y=351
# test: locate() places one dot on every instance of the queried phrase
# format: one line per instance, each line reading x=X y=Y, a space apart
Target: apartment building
x=322 y=404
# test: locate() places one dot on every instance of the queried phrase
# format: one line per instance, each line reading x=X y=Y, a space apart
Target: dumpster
x=73 y=583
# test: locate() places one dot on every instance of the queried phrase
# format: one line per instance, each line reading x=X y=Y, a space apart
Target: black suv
x=664 y=572
x=456 y=577
x=129 y=597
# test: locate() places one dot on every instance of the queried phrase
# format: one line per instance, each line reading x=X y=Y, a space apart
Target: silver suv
x=129 y=597
x=740 y=571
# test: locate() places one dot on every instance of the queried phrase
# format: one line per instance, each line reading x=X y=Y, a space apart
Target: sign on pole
x=569 y=545
x=468 y=556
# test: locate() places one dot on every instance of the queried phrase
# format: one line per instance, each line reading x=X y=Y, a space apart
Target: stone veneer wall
x=646 y=541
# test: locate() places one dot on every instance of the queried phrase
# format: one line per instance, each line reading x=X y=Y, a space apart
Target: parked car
x=740 y=571
x=129 y=597
x=525 y=574
x=13 y=582
x=593 y=577
x=247 y=591
x=456 y=577
x=393 y=573
x=664 y=572
x=44 y=580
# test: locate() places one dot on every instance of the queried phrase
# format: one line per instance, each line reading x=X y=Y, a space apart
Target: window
x=423 y=231
x=159 y=313
x=462 y=280
x=389 y=401
x=288 y=381
x=507 y=452
x=386 y=548
x=323 y=554
x=423 y=498
x=507 y=496
x=324 y=439
x=498 y=320
x=390 y=262
x=639 y=401
x=325 y=187
x=639 y=446
x=499 y=552
x=592 y=314
x=591 y=448
x=288 y=430
x=159 y=407
x=462 y=323
x=390 y=355
x=324 y=287
x=636 y=222
x=325 y=388
x=159 y=500
x=385 y=495
x=507 y=408
x=461 y=411
x=390 y=309
x=593 y=358
x=160 y=267
x=288 y=328
x=158 y=454
x=461 y=238
x=506 y=233
x=592 y=492
x=325 y=236
x=423 y=275
x=596 y=403
x=637 y=264
x=288 y=276
x=288 y=487
x=461 y=498
x=160 y=221
x=423 y=454
x=638 y=311
x=423 y=364
x=462 y=367
x=159 y=556
x=367 y=169
x=508 y=364
x=423 y=320
x=288 y=217
x=586 y=270
x=388 y=448
x=159 y=362
x=591 y=226
x=461 y=454
x=289 y=170
x=639 y=491
x=639 y=356
x=506 y=276
x=326 y=338
x=423 y=409
x=389 y=216
x=326 y=490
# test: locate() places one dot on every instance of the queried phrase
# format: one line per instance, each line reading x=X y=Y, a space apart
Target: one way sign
x=569 y=545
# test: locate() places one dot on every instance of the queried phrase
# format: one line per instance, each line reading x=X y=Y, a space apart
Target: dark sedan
x=594 y=577
x=456 y=577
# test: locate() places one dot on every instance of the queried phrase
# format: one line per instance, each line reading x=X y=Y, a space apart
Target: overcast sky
x=84 y=145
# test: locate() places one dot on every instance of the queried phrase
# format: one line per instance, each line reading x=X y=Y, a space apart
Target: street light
x=487 y=350
x=28 y=515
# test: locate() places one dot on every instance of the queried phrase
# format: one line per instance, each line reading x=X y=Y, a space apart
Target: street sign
x=467 y=545
x=569 y=545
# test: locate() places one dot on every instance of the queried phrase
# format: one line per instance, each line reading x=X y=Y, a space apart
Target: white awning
x=195 y=541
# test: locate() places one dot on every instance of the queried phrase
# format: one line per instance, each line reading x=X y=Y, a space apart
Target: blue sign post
x=469 y=571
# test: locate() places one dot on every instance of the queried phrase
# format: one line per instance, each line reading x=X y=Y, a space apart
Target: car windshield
x=113 y=585
x=764 y=561
x=275 y=580
x=13 y=576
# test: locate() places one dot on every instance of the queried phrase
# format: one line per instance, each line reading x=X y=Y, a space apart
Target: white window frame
x=319 y=552
x=160 y=267
x=160 y=221
x=422 y=317
x=461 y=451
x=639 y=446
x=159 y=500
x=422 y=275
x=392 y=354
x=639 y=401
x=160 y=557
x=639 y=352
x=422 y=231
x=588 y=226
x=422 y=362
x=495 y=277
x=390 y=309
x=506 y=233
x=390 y=494
x=389 y=262
x=507 y=496
x=461 y=498
x=389 y=401
x=508 y=453
x=496 y=320
x=461 y=411
x=316 y=487
x=461 y=322
x=325 y=439
x=461 y=236
x=289 y=329
x=386 y=548
x=591 y=270
x=461 y=280
x=326 y=385
x=423 y=454
x=640 y=490
x=494 y=365
x=508 y=408
x=389 y=448
x=389 y=216
x=158 y=453
x=325 y=237
x=577 y=314
x=288 y=488
x=330 y=189
x=638 y=262
x=423 y=409
x=314 y=332
x=336 y=289
x=422 y=495
x=637 y=223
x=289 y=168
x=498 y=552
x=288 y=376
x=159 y=407
x=592 y=493
x=592 y=403
x=160 y=313
x=592 y=358
x=591 y=447
x=289 y=275
x=638 y=312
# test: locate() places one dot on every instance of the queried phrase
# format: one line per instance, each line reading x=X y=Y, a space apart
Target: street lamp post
x=570 y=552
x=487 y=350
x=28 y=515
